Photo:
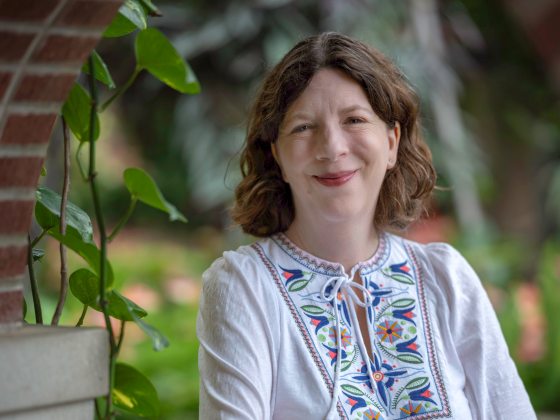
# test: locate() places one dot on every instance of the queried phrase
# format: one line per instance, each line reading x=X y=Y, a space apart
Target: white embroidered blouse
x=279 y=338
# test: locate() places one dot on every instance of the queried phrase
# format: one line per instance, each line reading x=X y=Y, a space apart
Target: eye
x=301 y=128
x=355 y=120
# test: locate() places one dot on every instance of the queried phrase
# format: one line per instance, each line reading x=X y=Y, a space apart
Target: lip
x=335 y=179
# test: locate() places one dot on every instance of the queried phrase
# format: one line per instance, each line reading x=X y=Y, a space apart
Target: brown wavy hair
x=263 y=201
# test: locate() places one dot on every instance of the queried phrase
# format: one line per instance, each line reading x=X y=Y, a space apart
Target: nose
x=331 y=144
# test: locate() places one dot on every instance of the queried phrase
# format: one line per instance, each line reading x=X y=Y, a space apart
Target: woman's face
x=334 y=150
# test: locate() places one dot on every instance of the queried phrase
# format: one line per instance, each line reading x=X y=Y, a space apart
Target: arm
x=493 y=387
x=236 y=351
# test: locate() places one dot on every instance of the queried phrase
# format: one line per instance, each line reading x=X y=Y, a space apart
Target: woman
x=329 y=315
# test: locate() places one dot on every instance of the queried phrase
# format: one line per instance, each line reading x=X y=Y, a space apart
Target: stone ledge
x=44 y=369
x=81 y=410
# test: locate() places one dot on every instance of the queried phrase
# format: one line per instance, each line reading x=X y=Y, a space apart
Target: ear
x=394 y=136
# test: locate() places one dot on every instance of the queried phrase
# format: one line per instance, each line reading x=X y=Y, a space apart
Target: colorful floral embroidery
x=407 y=380
x=389 y=333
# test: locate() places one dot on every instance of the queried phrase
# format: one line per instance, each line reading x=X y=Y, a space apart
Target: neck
x=346 y=243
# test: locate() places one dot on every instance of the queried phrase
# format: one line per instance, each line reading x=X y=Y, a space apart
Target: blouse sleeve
x=493 y=386
x=236 y=353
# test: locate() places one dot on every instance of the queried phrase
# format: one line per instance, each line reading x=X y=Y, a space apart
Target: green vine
x=124 y=219
x=62 y=227
x=33 y=283
x=92 y=174
x=130 y=392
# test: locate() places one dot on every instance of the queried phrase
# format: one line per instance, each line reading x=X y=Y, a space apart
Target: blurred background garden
x=490 y=90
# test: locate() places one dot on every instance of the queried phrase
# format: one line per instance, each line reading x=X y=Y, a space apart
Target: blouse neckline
x=322 y=266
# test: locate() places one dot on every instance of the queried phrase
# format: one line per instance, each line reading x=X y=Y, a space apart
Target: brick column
x=43 y=44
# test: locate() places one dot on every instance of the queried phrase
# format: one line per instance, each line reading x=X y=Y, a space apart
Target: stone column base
x=52 y=372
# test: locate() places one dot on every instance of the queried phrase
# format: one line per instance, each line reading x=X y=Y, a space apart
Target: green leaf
x=134 y=12
x=150 y=8
x=120 y=307
x=296 y=286
x=193 y=87
x=47 y=212
x=101 y=71
x=89 y=252
x=84 y=285
x=156 y=54
x=417 y=383
x=409 y=358
x=159 y=341
x=24 y=308
x=76 y=112
x=79 y=232
x=351 y=389
x=313 y=309
x=402 y=303
x=43 y=171
x=142 y=187
x=131 y=16
x=402 y=278
x=37 y=254
x=134 y=393
x=120 y=26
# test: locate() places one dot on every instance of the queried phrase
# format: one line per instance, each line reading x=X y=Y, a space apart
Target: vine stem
x=124 y=219
x=97 y=411
x=33 y=281
x=82 y=316
x=121 y=336
x=122 y=89
x=79 y=162
x=38 y=238
x=103 y=237
x=65 y=188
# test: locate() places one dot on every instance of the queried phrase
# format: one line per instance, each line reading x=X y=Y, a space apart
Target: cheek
x=287 y=159
x=284 y=164
x=289 y=172
x=277 y=154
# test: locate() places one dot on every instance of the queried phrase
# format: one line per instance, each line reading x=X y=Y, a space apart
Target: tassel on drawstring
x=345 y=284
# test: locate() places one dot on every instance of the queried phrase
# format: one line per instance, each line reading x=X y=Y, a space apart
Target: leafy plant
x=542 y=377
x=131 y=393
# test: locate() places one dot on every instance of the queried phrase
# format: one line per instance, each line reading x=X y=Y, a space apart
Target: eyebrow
x=356 y=108
x=298 y=116
x=306 y=116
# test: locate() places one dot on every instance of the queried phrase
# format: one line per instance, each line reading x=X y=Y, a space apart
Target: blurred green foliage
x=156 y=265
x=161 y=274
x=542 y=377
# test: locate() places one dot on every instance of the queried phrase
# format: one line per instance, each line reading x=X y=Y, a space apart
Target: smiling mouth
x=335 y=179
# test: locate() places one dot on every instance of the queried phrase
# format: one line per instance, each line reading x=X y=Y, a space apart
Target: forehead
x=329 y=89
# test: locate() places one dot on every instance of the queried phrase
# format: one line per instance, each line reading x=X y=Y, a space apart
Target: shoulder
x=235 y=261
x=437 y=257
x=444 y=268
x=237 y=275
x=434 y=253
x=456 y=293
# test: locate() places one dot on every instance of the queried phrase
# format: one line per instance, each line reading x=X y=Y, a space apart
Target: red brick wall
x=43 y=44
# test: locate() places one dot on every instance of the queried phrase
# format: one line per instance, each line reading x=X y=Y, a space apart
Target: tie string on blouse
x=344 y=283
